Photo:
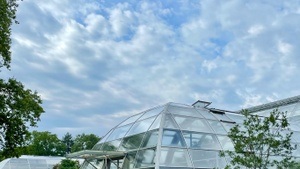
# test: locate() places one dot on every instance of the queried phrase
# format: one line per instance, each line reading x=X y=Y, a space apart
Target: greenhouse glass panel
x=111 y=146
x=222 y=117
x=206 y=114
x=105 y=137
x=169 y=122
x=129 y=161
x=226 y=142
x=228 y=126
x=296 y=136
x=132 y=142
x=131 y=119
x=192 y=124
x=174 y=157
x=152 y=112
x=201 y=140
x=141 y=126
x=294 y=123
x=294 y=113
x=150 y=139
x=118 y=132
x=145 y=158
x=207 y=159
x=156 y=123
x=238 y=118
x=172 y=138
x=184 y=111
x=97 y=146
x=217 y=127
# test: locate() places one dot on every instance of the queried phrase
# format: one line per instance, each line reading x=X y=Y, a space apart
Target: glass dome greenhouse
x=174 y=136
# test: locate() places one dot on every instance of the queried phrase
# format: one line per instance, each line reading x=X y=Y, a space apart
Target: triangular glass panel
x=145 y=158
x=152 y=112
x=172 y=138
x=119 y=132
x=174 y=157
x=169 y=122
x=206 y=114
x=150 y=139
x=207 y=159
x=132 y=142
x=217 y=127
x=201 y=140
x=184 y=111
x=130 y=119
x=111 y=146
x=141 y=126
x=192 y=124
x=156 y=123
x=226 y=142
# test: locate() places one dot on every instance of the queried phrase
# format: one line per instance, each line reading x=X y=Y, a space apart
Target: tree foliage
x=19 y=107
x=8 y=10
x=84 y=142
x=68 y=141
x=46 y=144
x=261 y=142
x=67 y=164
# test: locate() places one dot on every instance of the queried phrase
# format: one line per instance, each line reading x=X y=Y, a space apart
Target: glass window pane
x=152 y=112
x=217 y=127
x=141 y=126
x=228 y=126
x=131 y=119
x=172 y=138
x=132 y=142
x=118 y=132
x=206 y=114
x=111 y=146
x=129 y=160
x=150 y=139
x=207 y=159
x=184 y=111
x=145 y=158
x=156 y=123
x=201 y=141
x=226 y=142
x=238 y=118
x=222 y=117
x=174 y=157
x=296 y=137
x=105 y=137
x=169 y=122
x=192 y=124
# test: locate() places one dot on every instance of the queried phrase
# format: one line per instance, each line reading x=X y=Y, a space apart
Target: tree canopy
x=46 y=144
x=261 y=142
x=8 y=10
x=84 y=142
x=19 y=109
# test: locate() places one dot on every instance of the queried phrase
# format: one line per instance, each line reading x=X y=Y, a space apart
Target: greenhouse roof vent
x=201 y=104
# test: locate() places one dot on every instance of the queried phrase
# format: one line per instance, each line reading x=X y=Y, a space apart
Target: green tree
x=8 y=10
x=68 y=141
x=84 y=142
x=261 y=142
x=46 y=144
x=67 y=164
x=19 y=107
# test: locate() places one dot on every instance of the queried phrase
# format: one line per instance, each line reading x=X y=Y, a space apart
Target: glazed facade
x=177 y=136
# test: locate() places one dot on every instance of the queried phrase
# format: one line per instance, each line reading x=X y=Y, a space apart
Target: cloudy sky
x=96 y=62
